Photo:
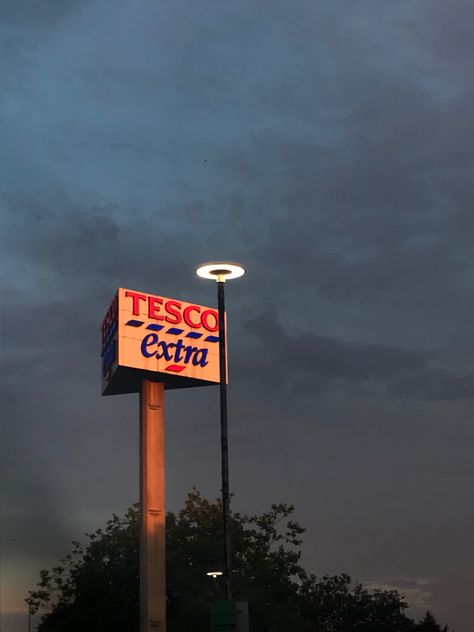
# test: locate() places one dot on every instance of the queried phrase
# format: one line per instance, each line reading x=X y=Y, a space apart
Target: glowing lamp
x=220 y=271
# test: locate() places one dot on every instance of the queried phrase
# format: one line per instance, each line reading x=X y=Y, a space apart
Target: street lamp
x=221 y=272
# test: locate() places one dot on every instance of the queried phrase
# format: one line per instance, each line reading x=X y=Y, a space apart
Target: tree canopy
x=95 y=587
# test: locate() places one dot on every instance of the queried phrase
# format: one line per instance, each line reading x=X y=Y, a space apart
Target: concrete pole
x=153 y=508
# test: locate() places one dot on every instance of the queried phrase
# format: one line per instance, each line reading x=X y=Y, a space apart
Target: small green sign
x=224 y=616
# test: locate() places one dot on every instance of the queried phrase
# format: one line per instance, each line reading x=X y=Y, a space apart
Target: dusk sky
x=328 y=147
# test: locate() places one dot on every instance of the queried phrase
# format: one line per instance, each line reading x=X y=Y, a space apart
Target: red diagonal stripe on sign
x=177 y=368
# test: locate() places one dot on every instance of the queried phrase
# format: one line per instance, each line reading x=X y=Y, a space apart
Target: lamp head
x=220 y=271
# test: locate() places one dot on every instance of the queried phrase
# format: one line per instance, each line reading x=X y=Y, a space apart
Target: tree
x=95 y=588
x=429 y=624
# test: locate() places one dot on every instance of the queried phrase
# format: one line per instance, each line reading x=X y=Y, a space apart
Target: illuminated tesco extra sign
x=145 y=336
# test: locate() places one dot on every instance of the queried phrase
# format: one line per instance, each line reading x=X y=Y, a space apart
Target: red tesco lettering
x=172 y=311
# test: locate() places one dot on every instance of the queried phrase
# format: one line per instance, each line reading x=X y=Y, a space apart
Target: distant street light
x=221 y=272
x=214 y=574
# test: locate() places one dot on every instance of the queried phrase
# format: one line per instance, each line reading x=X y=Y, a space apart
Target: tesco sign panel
x=145 y=336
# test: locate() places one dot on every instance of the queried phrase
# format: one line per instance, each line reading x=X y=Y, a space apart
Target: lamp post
x=221 y=272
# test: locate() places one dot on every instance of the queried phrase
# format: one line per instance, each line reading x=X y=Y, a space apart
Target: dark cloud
x=434 y=384
x=25 y=26
x=330 y=363
x=328 y=147
x=34 y=13
x=332 y=358
x=446 y=34
x=445 y=470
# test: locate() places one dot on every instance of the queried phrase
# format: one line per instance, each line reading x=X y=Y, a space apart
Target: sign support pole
x=152 y=508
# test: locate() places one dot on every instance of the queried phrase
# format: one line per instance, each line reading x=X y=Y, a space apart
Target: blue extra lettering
x=173 y=351
x=200 y=357
x=149 y=341
x=108 y=356
x=189 y=352
x=165 y=353
x=179 y=348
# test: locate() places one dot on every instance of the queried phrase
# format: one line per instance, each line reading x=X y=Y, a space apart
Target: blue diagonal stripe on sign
x=212 y=339
x=154 y=327
x=194 y=334
x=175 y=331
x=135 y=323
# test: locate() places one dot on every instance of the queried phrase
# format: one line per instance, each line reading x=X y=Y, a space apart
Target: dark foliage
x=95 y=588
x=429 y=624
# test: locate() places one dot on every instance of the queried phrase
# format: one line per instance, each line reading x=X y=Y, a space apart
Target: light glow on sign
x=160 y=337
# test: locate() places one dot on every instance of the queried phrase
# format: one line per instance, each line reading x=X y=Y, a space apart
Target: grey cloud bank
x=326 y=146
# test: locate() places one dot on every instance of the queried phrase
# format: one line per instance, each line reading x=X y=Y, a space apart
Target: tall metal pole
x=152 y=508
x=224 y=442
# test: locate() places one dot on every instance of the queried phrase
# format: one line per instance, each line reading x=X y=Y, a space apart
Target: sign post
x=152 y=508
x=149 y=344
